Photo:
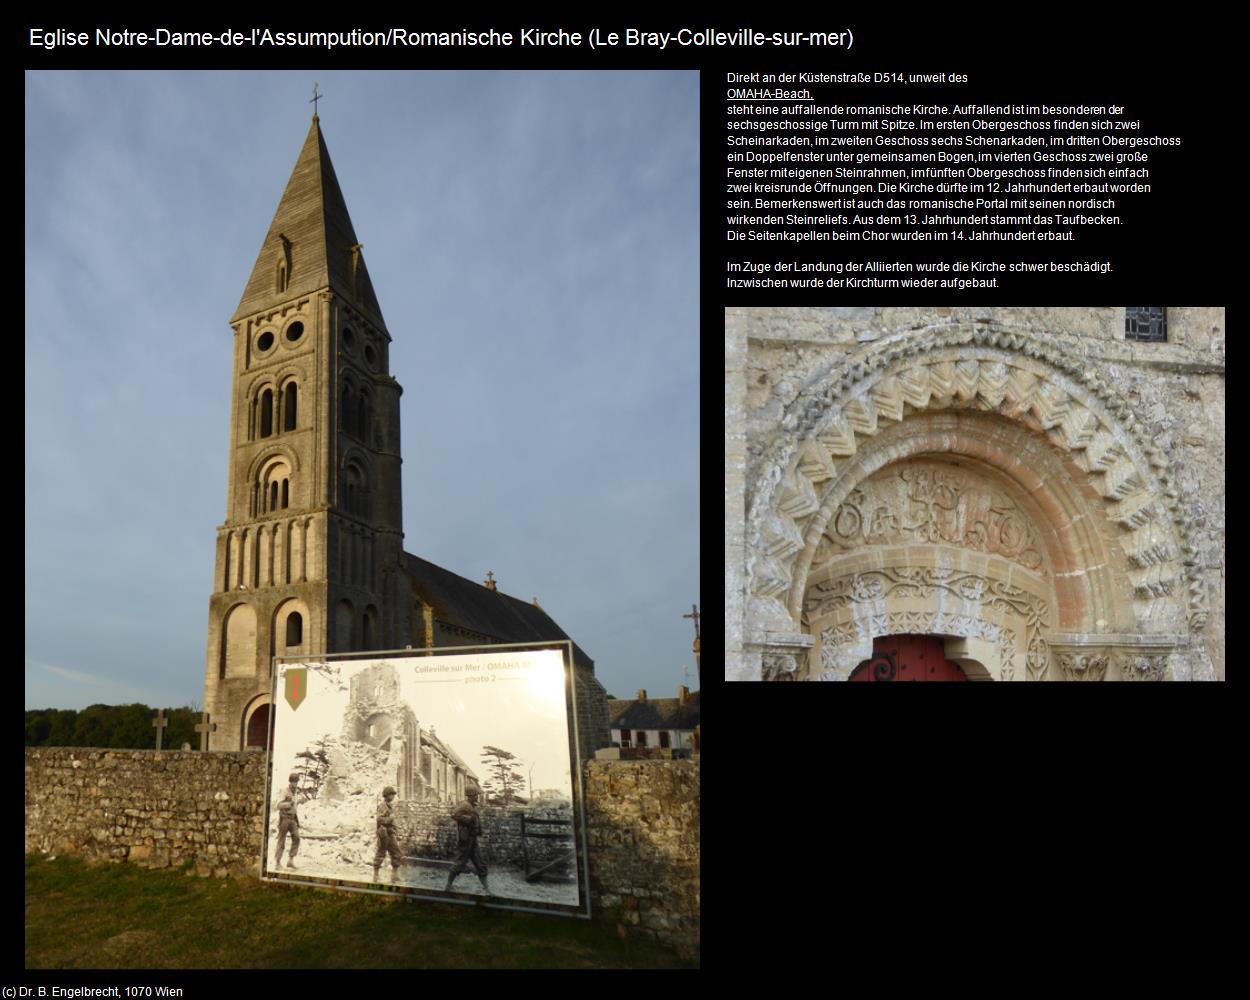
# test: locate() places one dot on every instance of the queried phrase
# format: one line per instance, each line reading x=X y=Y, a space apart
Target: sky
x=532 y=240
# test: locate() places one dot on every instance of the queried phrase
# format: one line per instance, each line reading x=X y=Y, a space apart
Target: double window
x=273 y=488
x=355 y=412
x=271 y=411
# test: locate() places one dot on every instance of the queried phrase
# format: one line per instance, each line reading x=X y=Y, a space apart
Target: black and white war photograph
x=431 y=774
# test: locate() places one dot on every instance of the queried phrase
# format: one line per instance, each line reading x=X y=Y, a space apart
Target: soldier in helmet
x=468 y=830
x=288 y=822
x=386 y=835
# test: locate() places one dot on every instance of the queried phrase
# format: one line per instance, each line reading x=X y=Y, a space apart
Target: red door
x=258 y=728
x=908 y=658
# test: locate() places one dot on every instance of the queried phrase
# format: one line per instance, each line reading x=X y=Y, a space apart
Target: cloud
x=77 y=676
x=533 y=240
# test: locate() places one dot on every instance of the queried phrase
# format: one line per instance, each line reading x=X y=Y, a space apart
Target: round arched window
x=371 y=356
x=349 y=338
x=265 y=341
x=294 y=332
x=294 y=629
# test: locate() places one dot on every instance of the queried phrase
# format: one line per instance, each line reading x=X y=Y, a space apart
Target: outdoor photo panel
x=450 y=775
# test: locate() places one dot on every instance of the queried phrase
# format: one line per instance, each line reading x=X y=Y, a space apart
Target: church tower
x=309 y=559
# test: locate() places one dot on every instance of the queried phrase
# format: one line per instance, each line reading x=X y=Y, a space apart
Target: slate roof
x=492 y=613
x=313 y=216
x=654 y=713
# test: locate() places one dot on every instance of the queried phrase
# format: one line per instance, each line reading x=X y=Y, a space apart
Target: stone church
x=975 y=493
x=310 y=558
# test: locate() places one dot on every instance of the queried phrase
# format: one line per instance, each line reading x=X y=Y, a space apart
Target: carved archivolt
x=1017 y=376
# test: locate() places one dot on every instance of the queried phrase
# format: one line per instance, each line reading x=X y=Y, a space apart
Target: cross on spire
x=315 y=98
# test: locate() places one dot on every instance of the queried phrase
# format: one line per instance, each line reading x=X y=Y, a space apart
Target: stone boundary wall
x=157 y=808
x=175 y=808
x=642 y=825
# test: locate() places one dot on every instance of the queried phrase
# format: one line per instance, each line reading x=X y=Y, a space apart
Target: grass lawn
x=118 y=916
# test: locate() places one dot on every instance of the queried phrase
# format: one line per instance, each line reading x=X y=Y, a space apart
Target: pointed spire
x=311 y=238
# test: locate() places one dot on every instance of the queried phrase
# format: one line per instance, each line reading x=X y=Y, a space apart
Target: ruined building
x=426 y=768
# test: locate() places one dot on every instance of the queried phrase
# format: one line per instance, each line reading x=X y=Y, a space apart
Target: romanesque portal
x=970 y=481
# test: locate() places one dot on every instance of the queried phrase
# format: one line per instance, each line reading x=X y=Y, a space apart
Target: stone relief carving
x=921 y=581
x=1142 y=666
x=779 y=667
x=929 y=582
x=1083 y=666
x=931 y=504
x=1021 y=377
x=834 y=637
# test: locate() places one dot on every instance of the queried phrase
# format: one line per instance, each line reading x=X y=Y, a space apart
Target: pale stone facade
x=310 y=558
x=1024 y=482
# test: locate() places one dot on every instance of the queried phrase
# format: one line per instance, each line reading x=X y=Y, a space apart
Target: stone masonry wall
x=162 y=809
x=592 y=714
x=426 y=829
x=1175 y=390
x=156 y=808
x=642 y=822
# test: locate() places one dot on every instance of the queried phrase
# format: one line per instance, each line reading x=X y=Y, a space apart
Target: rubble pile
x=338 y=828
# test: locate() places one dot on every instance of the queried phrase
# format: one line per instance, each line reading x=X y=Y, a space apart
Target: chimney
x=642 y=694
x=683 y=694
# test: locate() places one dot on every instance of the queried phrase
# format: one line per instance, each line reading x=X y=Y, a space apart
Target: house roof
x=312 y=216
x=492 y=613
x=654 y=713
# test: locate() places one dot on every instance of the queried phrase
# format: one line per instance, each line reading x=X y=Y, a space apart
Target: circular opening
x=294 y=332
x=349 y=338
x=371 y=355
x=265 y=341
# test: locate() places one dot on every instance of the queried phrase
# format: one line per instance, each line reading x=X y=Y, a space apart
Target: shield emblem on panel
x=295 y=686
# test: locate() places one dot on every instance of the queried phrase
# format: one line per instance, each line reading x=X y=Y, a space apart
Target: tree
x=312 y=766
x=131 y=727
x=182 y=727
x=61 y=734
x=115 y=726
x=505 y=768
x=93 y=727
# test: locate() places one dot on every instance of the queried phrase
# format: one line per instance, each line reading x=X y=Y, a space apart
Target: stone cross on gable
x=204 y=727
x=160 y=722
